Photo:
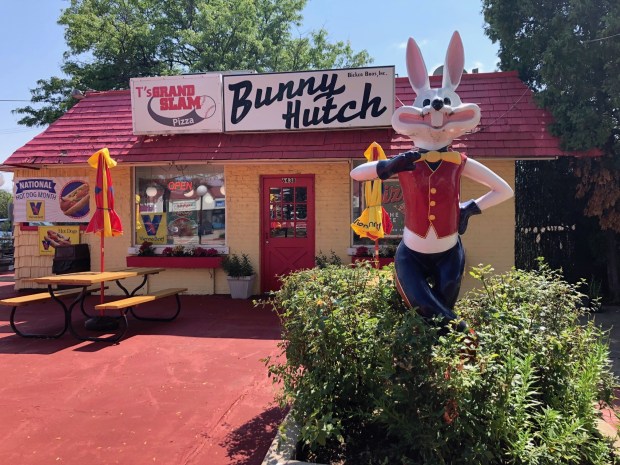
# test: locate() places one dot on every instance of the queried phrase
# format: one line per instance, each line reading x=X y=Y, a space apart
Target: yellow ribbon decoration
x=93 y=160
x=370 y=222
x=374 y=152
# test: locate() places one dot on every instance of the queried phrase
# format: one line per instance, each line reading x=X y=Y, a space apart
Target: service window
x=177 y=206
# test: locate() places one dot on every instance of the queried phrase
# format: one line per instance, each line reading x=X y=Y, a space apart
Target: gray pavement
x=609 y=319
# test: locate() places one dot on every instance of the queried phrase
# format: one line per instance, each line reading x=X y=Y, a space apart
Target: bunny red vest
x=432 y=197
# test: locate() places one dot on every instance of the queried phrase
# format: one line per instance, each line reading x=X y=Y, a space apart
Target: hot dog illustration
x=57 y=239
x=76 y=200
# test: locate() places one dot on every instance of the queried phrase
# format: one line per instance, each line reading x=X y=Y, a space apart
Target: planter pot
x=383 y=261
x=175 y=262
x=242 y=287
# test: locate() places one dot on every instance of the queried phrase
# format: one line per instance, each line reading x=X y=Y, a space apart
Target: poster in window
x=392 y=201
x=51 y=200
x=152 y=227
x=183 y=225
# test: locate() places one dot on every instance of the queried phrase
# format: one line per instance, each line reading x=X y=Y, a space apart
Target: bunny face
x=437 y=116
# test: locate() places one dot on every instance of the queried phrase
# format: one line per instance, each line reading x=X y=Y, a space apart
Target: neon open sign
x=180 y=186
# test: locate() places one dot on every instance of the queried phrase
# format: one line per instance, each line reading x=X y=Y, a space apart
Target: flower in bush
x=178 y=251
x=202 y=252
x=181 y=251
x=362 y=251
x=146 y=249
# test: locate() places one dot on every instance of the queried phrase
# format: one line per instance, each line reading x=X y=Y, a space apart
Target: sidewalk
x=609 y=320
x=191 y=391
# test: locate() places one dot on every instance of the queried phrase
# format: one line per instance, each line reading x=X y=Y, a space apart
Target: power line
x=10 y=100
x=602 y=38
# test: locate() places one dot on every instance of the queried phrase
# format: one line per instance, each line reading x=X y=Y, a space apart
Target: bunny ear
x=418 y=76
x=453 y=66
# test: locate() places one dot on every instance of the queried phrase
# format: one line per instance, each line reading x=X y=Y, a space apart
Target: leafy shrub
x=372 y=383
x=323 y=261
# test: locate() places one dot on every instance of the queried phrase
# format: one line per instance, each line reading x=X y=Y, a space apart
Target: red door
x=287 y=226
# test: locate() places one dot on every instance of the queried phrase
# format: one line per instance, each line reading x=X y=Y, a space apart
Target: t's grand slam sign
x=177 y=104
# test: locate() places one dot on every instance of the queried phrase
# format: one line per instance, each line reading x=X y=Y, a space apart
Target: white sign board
x=177 y=104
x=51 y=200
x=334 y=99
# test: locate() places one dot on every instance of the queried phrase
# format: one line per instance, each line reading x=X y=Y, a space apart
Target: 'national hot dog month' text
x=38 y=199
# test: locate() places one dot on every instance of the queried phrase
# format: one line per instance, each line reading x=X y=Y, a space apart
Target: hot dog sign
x=51 y=200
x=51 y=237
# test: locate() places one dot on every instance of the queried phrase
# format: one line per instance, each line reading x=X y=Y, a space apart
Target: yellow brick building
x=511 y=128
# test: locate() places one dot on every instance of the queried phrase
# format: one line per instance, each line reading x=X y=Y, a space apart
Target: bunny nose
x=437 y=104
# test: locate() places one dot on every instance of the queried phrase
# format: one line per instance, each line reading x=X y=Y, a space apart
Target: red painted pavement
x=191 y=391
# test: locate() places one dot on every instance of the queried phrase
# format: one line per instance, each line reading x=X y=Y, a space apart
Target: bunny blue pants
x=430 y=283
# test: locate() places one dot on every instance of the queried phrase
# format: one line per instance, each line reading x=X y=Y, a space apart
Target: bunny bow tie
x=435 y=156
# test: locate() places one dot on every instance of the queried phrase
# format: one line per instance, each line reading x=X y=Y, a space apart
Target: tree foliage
x=5 y=199
x=111 y=41
x=568 y=51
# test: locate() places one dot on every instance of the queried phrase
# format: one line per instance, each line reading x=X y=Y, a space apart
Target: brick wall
x=332 y=194
x=489 y=239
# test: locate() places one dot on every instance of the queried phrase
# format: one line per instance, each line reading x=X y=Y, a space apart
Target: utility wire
x=602 y=38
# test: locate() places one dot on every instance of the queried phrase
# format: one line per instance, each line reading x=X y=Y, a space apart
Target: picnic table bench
x=25 y=300
x=85 y=282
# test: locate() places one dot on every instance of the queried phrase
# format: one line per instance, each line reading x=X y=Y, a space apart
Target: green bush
x=236 y=267
x=322 y=261
x=371 y=382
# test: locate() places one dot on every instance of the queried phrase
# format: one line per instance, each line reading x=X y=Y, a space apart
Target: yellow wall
x=489 y=239
x=332 y=194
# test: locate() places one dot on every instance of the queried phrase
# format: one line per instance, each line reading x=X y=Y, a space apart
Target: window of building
x=181 y=205
x=392 y=201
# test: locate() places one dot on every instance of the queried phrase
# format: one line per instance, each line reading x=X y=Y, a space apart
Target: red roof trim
x=512 y=126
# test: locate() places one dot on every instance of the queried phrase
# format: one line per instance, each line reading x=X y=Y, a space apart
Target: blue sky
x=32 y=44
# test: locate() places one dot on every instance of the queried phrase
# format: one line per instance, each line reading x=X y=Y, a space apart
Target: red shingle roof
x=512 y=126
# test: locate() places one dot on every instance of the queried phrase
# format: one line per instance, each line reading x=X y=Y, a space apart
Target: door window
x=288 y=212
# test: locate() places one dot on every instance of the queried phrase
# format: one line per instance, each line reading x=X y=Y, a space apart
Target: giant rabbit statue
x=430 y=259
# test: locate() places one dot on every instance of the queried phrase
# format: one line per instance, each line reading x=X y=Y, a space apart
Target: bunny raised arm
x=431 y=249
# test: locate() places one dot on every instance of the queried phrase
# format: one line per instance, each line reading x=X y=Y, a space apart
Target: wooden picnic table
x=84 y=282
